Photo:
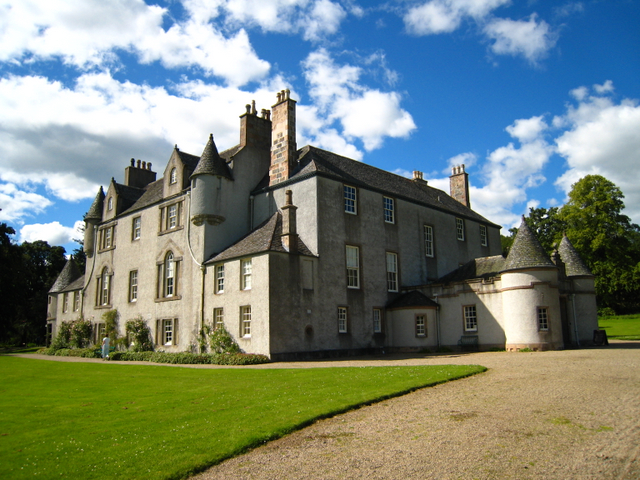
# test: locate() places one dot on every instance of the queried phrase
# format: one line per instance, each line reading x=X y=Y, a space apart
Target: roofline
x=306 y=176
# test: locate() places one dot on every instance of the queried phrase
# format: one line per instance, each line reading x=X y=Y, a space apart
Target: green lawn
x=95 y=420
x=622 y=327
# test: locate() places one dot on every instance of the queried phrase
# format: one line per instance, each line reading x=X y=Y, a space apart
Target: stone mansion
x=300 y=252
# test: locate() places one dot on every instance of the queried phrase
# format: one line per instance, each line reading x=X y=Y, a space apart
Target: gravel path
x=555 y=415
x=571 y=414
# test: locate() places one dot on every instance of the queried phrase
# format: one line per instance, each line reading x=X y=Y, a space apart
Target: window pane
x=470 y=318
x=342 y=320
x=388 y=210
x=377 y=320
x=353 y=269
x=246 y=320
x=421 y=327
x=483 y=235
x=392 y=272
x=428 y=240
x=460 y=228
x=349 y=199
x=219 y=278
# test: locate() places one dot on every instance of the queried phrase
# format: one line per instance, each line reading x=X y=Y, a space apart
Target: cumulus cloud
x=467 y=159
x=339 y=97
x=602 y=138
x=445 y=16
x=16 y=203
x=89 y=33
x=53 y=233
x=530 y=38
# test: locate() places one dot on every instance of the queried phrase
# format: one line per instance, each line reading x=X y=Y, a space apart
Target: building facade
x=302 y=252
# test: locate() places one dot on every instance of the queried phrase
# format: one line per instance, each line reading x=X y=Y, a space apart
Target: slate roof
x=265 y=238
x=314 y=161
x=526 y=251
x=69 y=274
x=411 y=299
x=128 y=195
x=191 y=161
x=95 y=211
x=573 y=263
x=211 y=163
x=483 y=267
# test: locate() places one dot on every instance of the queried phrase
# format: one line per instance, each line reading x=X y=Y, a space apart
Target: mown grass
x=94 y=420
x=621 y=327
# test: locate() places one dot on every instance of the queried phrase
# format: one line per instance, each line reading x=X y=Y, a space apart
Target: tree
x=606 y=240
x=10 y=264
x=547 y=226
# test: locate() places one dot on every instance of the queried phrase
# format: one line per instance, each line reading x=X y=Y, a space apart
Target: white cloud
x=467 y=159
x=602 y=138
x=53 y=233
x=313 y=19
x=16 y=203
x=532 y=38
x=364 y=113
x=445 y=16
x=87 y=33
x=528 y=129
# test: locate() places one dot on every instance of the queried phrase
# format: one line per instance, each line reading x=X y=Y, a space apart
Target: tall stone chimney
x=255 y=131
x=289 y=228
x=139 y=174
x=459 y=185
x=283 y=138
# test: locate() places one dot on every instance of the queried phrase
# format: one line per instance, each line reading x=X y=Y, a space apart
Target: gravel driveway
x=571 y=414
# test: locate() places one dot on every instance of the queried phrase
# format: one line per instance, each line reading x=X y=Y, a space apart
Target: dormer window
x=110 y=204
x=173 y=176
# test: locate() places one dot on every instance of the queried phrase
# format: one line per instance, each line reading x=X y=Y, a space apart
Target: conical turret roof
x=574 y=265
x=95 y=212
x=69 y=273
x=526 y=251
x=211 y=163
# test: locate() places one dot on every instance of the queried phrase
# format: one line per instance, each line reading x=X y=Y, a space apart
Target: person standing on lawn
x=105 y=347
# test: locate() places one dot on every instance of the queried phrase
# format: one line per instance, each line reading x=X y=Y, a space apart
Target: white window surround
x=470 y=318
x=389 y=210
x=428 y=241
x=219 y=287
x=173 y=176
x=133 y=286
x=483 y=236
x=136 y=228
x=245 y=321
x=167 y=332
x=350 y=199
x=169 y=275
x=246 y=269
x=343 y=326
x=421 y=326
x=377 y=320
x=353 y=266
x=543 y=319
x=392 y=272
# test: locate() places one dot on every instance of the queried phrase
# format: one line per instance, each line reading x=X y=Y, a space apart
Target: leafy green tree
x=10 y=284
x=547 y=225
x=606 y=239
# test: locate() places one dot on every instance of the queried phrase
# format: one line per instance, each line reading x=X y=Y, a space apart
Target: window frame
x=484 y=239
x=169 y=276
x=460 y=229
x=218 y=317
x=343 y=319
x=245 y=321
x=420 y=320
x=103 y=288
x=110 y=203
x=219 y=279
x=377 y=320
x=352 y=271
x=543 y=323
x=246 y=273
x=65 y=302
x=392 y=274
x=136 y=228
x=107 y=237
x=170 y=222
x=76 y=301
x=429 y=243
x=389 y=206
x=133 y=286
x=470 y=318
x=173 y=176
x=163 y=283
x=350 y=198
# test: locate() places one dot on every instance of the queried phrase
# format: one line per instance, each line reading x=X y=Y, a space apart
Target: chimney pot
x=133 y=162
x=138 y=163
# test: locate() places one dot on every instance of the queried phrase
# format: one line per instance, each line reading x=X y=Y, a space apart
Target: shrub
x=221 y=341
x=110 y=318
x=63 y=338
x=606 y=312
x=80 y=333
x=140 y=335
x=186 y=358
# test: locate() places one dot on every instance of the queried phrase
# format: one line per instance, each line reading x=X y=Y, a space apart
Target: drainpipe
x=93 y=265
x=575 y=319
x=201 y=265
x=437 y=320
x=251 y=212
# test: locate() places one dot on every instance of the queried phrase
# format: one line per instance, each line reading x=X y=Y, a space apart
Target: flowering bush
x=140 y=335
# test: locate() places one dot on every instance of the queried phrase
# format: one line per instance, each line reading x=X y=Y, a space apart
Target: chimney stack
x=289 y=229
x=283 y=138
x=139 y=174
x=255 y=131
x=459 y=185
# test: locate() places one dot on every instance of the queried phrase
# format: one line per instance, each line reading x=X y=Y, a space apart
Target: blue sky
x=530 y=95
